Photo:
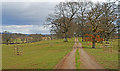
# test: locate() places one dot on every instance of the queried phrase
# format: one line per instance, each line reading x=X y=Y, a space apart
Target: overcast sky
x=26 y=17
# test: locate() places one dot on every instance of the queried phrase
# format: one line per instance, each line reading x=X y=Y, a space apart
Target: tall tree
x=63 y=16
x=81 y=18
x=93 y=17
x=101 y=17
x=107 y=19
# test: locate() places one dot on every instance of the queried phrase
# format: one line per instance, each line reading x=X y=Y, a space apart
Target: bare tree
x=81 y=18
x=107 y=19
x=63 y=16
x=100 y=18
x=35 y=37
x=6 y=37
x=22 y=38
x=93 y=17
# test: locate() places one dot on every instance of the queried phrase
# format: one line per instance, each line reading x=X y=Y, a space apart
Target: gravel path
x=68 y=62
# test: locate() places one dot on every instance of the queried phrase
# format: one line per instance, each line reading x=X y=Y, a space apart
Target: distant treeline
x=18 y=38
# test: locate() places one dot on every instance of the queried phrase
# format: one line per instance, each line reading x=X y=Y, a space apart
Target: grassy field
x=38 y=55
x=107 y=59
x=77 y=59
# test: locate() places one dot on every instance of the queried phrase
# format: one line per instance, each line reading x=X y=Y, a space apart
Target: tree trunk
x=93 y=43
x=7 y=42
x=26 y=40
x=82 y=38
x=108 y=36
x=51 y=37
x=65 y=38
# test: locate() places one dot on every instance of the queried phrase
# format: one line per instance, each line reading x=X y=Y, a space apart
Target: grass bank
x=38 y=55
x=108 y=60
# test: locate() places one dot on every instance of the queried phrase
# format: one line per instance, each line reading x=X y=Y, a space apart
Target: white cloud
x=26 y=29
x=48 y=0
x=26 y=17
x=0 y=28
x=33 y=0
x=18 y=26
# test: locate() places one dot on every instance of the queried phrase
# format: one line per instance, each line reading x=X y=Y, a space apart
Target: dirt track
x=68 y=62
x=87 y=61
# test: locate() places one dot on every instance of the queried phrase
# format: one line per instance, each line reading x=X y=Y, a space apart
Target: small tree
x=36 y=37
x=6 y=37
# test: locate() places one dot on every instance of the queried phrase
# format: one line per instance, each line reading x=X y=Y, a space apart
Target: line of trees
x=87 y=17
x=15 y=38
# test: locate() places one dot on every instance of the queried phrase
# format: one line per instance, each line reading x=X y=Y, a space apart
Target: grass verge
x=108 y=60
x=77 y=59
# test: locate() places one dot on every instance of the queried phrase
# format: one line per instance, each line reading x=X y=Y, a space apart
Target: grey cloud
x=27 y=29
x=31 y=12
x=26 y=17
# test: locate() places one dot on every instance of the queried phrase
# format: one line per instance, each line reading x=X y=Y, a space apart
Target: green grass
x=0 y=57
x=38 y=55
x=77 y=59
x=109 y=60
